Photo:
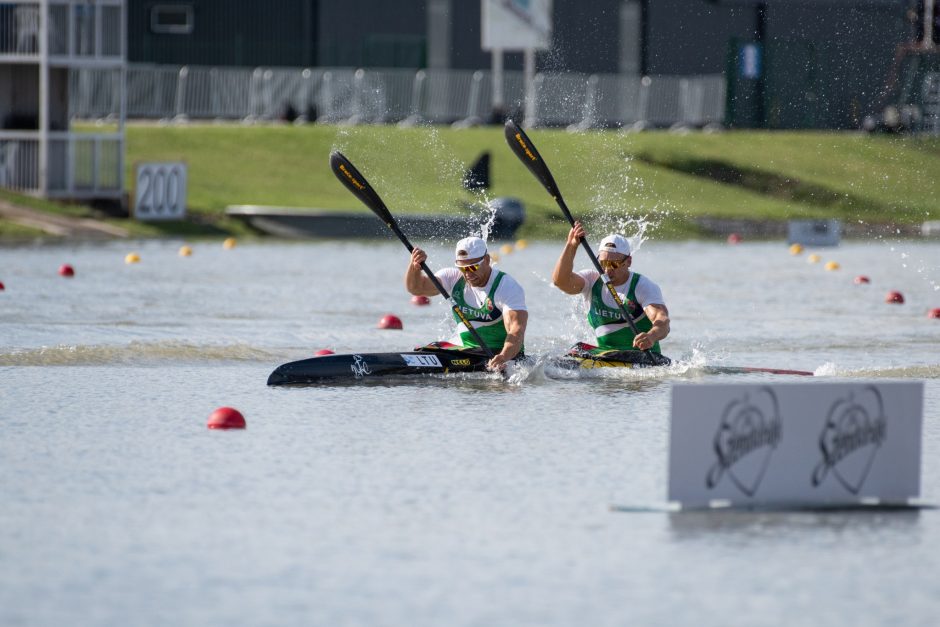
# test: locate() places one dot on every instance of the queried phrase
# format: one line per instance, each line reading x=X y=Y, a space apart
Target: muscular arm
x=416 y=282
x=659 y=316
x=563 y=276
x=515 y=322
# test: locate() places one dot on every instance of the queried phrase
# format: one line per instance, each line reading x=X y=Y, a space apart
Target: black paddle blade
x=349 y=176
x=520 y=144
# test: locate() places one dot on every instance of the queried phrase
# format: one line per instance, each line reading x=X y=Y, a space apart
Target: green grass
x=610 y=178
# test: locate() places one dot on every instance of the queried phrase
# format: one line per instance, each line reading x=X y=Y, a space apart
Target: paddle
x=349 y=176
x=523 y=147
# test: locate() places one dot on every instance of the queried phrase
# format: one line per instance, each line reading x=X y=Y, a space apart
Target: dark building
x=788 y=63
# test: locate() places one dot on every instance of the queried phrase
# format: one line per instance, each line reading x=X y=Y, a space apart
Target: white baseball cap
x=470 y=248
x=615 y=244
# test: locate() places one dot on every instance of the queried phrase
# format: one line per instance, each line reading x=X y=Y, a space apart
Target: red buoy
x=2 y=286
x=894 y=297
x=420 y=300
x=322 y=352
x=862 y=279
x=390 y=322
x=734 y=238
x=934 y=313
x=66 y=270
x=226 y=418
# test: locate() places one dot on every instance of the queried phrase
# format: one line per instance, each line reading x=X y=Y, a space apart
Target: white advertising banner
x=795 y=443
x=516 y=24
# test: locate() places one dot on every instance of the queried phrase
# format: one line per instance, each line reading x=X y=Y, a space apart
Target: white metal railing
x=78 y=164
x=78 y=30
x=19 y=160
x=348 y=95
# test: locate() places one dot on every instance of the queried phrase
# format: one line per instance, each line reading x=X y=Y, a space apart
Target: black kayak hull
x=364 y=366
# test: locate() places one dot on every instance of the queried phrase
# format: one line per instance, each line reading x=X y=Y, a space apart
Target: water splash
x=135 y=353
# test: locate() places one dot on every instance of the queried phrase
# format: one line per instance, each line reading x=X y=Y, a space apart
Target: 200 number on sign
x=160 y=191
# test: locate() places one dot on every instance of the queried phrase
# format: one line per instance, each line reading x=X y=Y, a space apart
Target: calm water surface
x=458 y=502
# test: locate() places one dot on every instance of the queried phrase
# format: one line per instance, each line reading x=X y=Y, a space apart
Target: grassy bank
x=610 y=176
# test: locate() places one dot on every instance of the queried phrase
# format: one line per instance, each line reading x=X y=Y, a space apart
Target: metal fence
x=79 y=164
x=354 y=96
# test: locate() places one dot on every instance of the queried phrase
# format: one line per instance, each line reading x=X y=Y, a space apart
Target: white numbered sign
x=160 y=191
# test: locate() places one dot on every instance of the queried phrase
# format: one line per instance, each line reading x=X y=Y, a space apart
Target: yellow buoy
x=494 y=257
x=521 y=244
x=132 y=258
x=832 y=265
x=796 y=249
x=506 y=249
x=185 y=251
x=229 y=243
x=814 y=258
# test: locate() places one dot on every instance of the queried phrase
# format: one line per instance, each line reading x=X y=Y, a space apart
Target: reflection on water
x=787 y=526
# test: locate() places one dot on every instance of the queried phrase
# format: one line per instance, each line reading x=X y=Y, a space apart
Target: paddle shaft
x=355 y=182
x=523 y=148
x=597 y=266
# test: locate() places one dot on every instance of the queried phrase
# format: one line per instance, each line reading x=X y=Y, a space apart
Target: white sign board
x=795 y=443
x=160 y=191
x=516 y=24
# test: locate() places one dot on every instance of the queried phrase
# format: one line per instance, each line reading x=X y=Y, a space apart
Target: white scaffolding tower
x=50 y=50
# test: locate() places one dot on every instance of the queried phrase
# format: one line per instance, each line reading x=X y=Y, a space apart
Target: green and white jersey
x=483 y=306
x=604 y=315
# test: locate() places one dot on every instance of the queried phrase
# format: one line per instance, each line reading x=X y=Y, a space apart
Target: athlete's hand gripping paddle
x=349 y=176
x=523 y=148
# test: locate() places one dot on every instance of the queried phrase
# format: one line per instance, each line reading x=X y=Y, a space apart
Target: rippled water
x=463 y=501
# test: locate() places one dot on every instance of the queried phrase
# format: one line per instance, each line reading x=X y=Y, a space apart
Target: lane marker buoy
x=814 y=258
x=832 y=265
x=66 y=270
x=934 y=313
x=229 y=243
x=322 y=352
x=734 y=238
x=132 y=258
x=522 y=244
x=796 y=249
x=420 y=300
x=894 y=297
x=506 y=249
x=862 y=280
x=2 y=286
x=226 y=418
x=390 y=321
x=185 y=251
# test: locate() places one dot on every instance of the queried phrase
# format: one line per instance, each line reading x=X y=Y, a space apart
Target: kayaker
x=491 y=300
x=642 y=297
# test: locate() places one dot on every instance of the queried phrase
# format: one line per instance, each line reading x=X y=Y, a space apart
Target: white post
x=98 y=31
x=928 y=24
x=122 y=112
x=44 y=97
x=181 y=93
x=529 y=73
x=497 y=75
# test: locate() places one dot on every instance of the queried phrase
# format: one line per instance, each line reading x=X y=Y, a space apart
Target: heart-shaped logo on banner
x=854 y=430
x=747 y=435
